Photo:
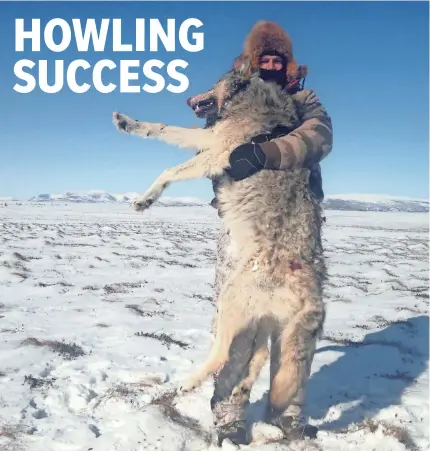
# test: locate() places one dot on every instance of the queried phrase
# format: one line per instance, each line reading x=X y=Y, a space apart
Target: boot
x=292 y=425
x=294 y=428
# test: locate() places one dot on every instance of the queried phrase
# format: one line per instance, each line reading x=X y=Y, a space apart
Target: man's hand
x=246 y=160
x=260 y=153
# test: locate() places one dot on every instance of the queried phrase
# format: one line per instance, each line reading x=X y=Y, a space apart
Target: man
x=271 y=53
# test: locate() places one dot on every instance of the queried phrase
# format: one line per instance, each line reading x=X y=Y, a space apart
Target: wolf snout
x=201 y=108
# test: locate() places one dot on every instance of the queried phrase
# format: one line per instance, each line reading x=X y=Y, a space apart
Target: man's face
x=271 y=62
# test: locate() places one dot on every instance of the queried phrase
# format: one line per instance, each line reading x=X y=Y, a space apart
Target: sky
x=368 y=63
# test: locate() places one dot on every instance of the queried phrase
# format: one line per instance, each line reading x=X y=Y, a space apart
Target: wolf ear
x=242 y=64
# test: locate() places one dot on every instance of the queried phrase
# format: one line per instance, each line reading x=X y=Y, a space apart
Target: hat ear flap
x=303 y=71
x=294 y=71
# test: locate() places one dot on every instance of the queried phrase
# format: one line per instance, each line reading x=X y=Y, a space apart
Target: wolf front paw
x=142 y=204
x=184 y=390
x=123 y=123
x=187 y=387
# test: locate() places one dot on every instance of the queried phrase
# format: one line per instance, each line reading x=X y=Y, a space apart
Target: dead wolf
x=275 y=290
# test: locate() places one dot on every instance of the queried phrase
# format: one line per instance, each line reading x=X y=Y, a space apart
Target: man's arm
x=307 y=145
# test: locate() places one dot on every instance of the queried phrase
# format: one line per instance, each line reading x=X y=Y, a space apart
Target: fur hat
x=267 y=37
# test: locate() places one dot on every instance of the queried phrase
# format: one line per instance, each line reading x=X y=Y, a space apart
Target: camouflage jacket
x=306 y=146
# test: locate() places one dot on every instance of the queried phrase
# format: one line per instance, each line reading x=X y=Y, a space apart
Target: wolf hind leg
x=259 y=358
x=293 y=348
x=234 y=324
x=230 y=325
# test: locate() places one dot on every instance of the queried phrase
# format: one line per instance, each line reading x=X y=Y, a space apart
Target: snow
x=87 y=290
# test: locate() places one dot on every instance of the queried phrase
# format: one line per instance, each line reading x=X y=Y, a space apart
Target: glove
x=246 y=160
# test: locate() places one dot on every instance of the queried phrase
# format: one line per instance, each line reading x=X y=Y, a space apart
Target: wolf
x=276 y=288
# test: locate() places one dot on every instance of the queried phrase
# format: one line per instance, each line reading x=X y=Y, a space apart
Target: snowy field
x=104 y=311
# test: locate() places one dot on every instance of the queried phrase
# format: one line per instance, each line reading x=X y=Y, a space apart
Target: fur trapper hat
x=266 y=37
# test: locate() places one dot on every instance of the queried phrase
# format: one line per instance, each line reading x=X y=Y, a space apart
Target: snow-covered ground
x=104 y=311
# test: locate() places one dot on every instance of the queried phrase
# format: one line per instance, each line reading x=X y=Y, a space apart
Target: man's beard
x=276 y=76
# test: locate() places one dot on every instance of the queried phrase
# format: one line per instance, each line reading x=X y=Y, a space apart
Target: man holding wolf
x=271 y=53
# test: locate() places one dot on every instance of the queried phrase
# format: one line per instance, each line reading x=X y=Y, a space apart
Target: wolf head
x=210 y=104
x=241 y=92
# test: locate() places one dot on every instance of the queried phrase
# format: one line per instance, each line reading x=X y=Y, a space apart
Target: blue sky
x=368 y=63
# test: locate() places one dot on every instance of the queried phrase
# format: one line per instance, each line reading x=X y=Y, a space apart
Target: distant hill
x=100 y=196
x=370 y=202
x=346 y=202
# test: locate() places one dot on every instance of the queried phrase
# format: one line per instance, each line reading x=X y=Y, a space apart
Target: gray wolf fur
x=275 y=289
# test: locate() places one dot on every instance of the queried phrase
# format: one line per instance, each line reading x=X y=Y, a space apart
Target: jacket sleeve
x=308 y=144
